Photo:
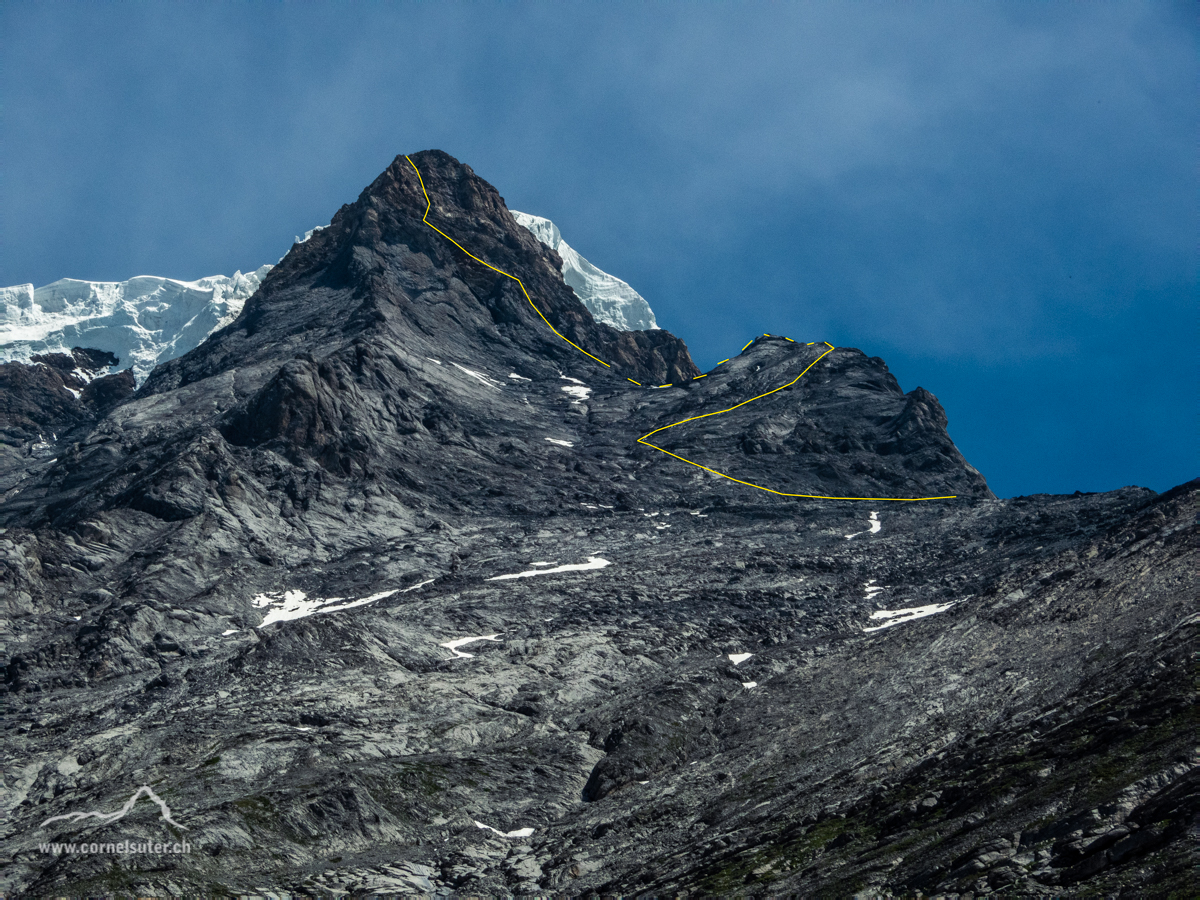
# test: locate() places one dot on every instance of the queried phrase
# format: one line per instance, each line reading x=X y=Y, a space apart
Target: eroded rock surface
x=378 y=592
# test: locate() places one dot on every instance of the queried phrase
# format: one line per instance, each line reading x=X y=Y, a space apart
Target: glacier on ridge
x=607 y=297
x=144 y=321
x=149 y=319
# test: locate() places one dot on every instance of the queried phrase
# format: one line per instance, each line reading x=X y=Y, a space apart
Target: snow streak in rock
x=453 y=646
x=900 y=616
x=519 y=833
x=297 y=605
x=478 y=376
x=594 y=562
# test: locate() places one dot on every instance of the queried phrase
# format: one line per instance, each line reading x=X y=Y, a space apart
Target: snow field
x=607 y=297
x=144 y=321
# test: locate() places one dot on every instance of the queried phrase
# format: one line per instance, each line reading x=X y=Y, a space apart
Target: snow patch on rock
x=308 y=234
x=892 y=617
x=873 y=522
x=453 y=646
x=594 y=562
x=519 y=833
x=578 y=389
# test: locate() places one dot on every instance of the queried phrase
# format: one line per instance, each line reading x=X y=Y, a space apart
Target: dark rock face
x=843 y=429
x=248 y=587
x=378 y=270
x=46 y=400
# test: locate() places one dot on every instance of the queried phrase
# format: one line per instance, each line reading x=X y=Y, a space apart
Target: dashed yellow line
x=642 y=439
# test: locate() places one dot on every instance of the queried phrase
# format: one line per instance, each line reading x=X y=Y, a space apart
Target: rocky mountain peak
x=386 y=352
x=389 y=562
x=379 y=269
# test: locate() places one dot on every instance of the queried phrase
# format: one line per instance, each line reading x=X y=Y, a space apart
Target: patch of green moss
x=257 y=810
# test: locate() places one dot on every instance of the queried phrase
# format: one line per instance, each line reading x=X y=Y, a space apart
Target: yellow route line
x=425 y=219
x=642 y=439
x=743 y=403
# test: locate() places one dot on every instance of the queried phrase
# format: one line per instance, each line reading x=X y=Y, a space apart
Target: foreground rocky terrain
x=377 y=591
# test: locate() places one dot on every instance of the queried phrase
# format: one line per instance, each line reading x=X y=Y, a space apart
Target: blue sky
x=999 y=199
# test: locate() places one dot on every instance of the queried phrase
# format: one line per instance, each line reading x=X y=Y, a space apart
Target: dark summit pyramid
x=378 y=271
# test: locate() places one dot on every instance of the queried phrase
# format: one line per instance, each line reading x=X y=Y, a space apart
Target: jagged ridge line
x=642 y=440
